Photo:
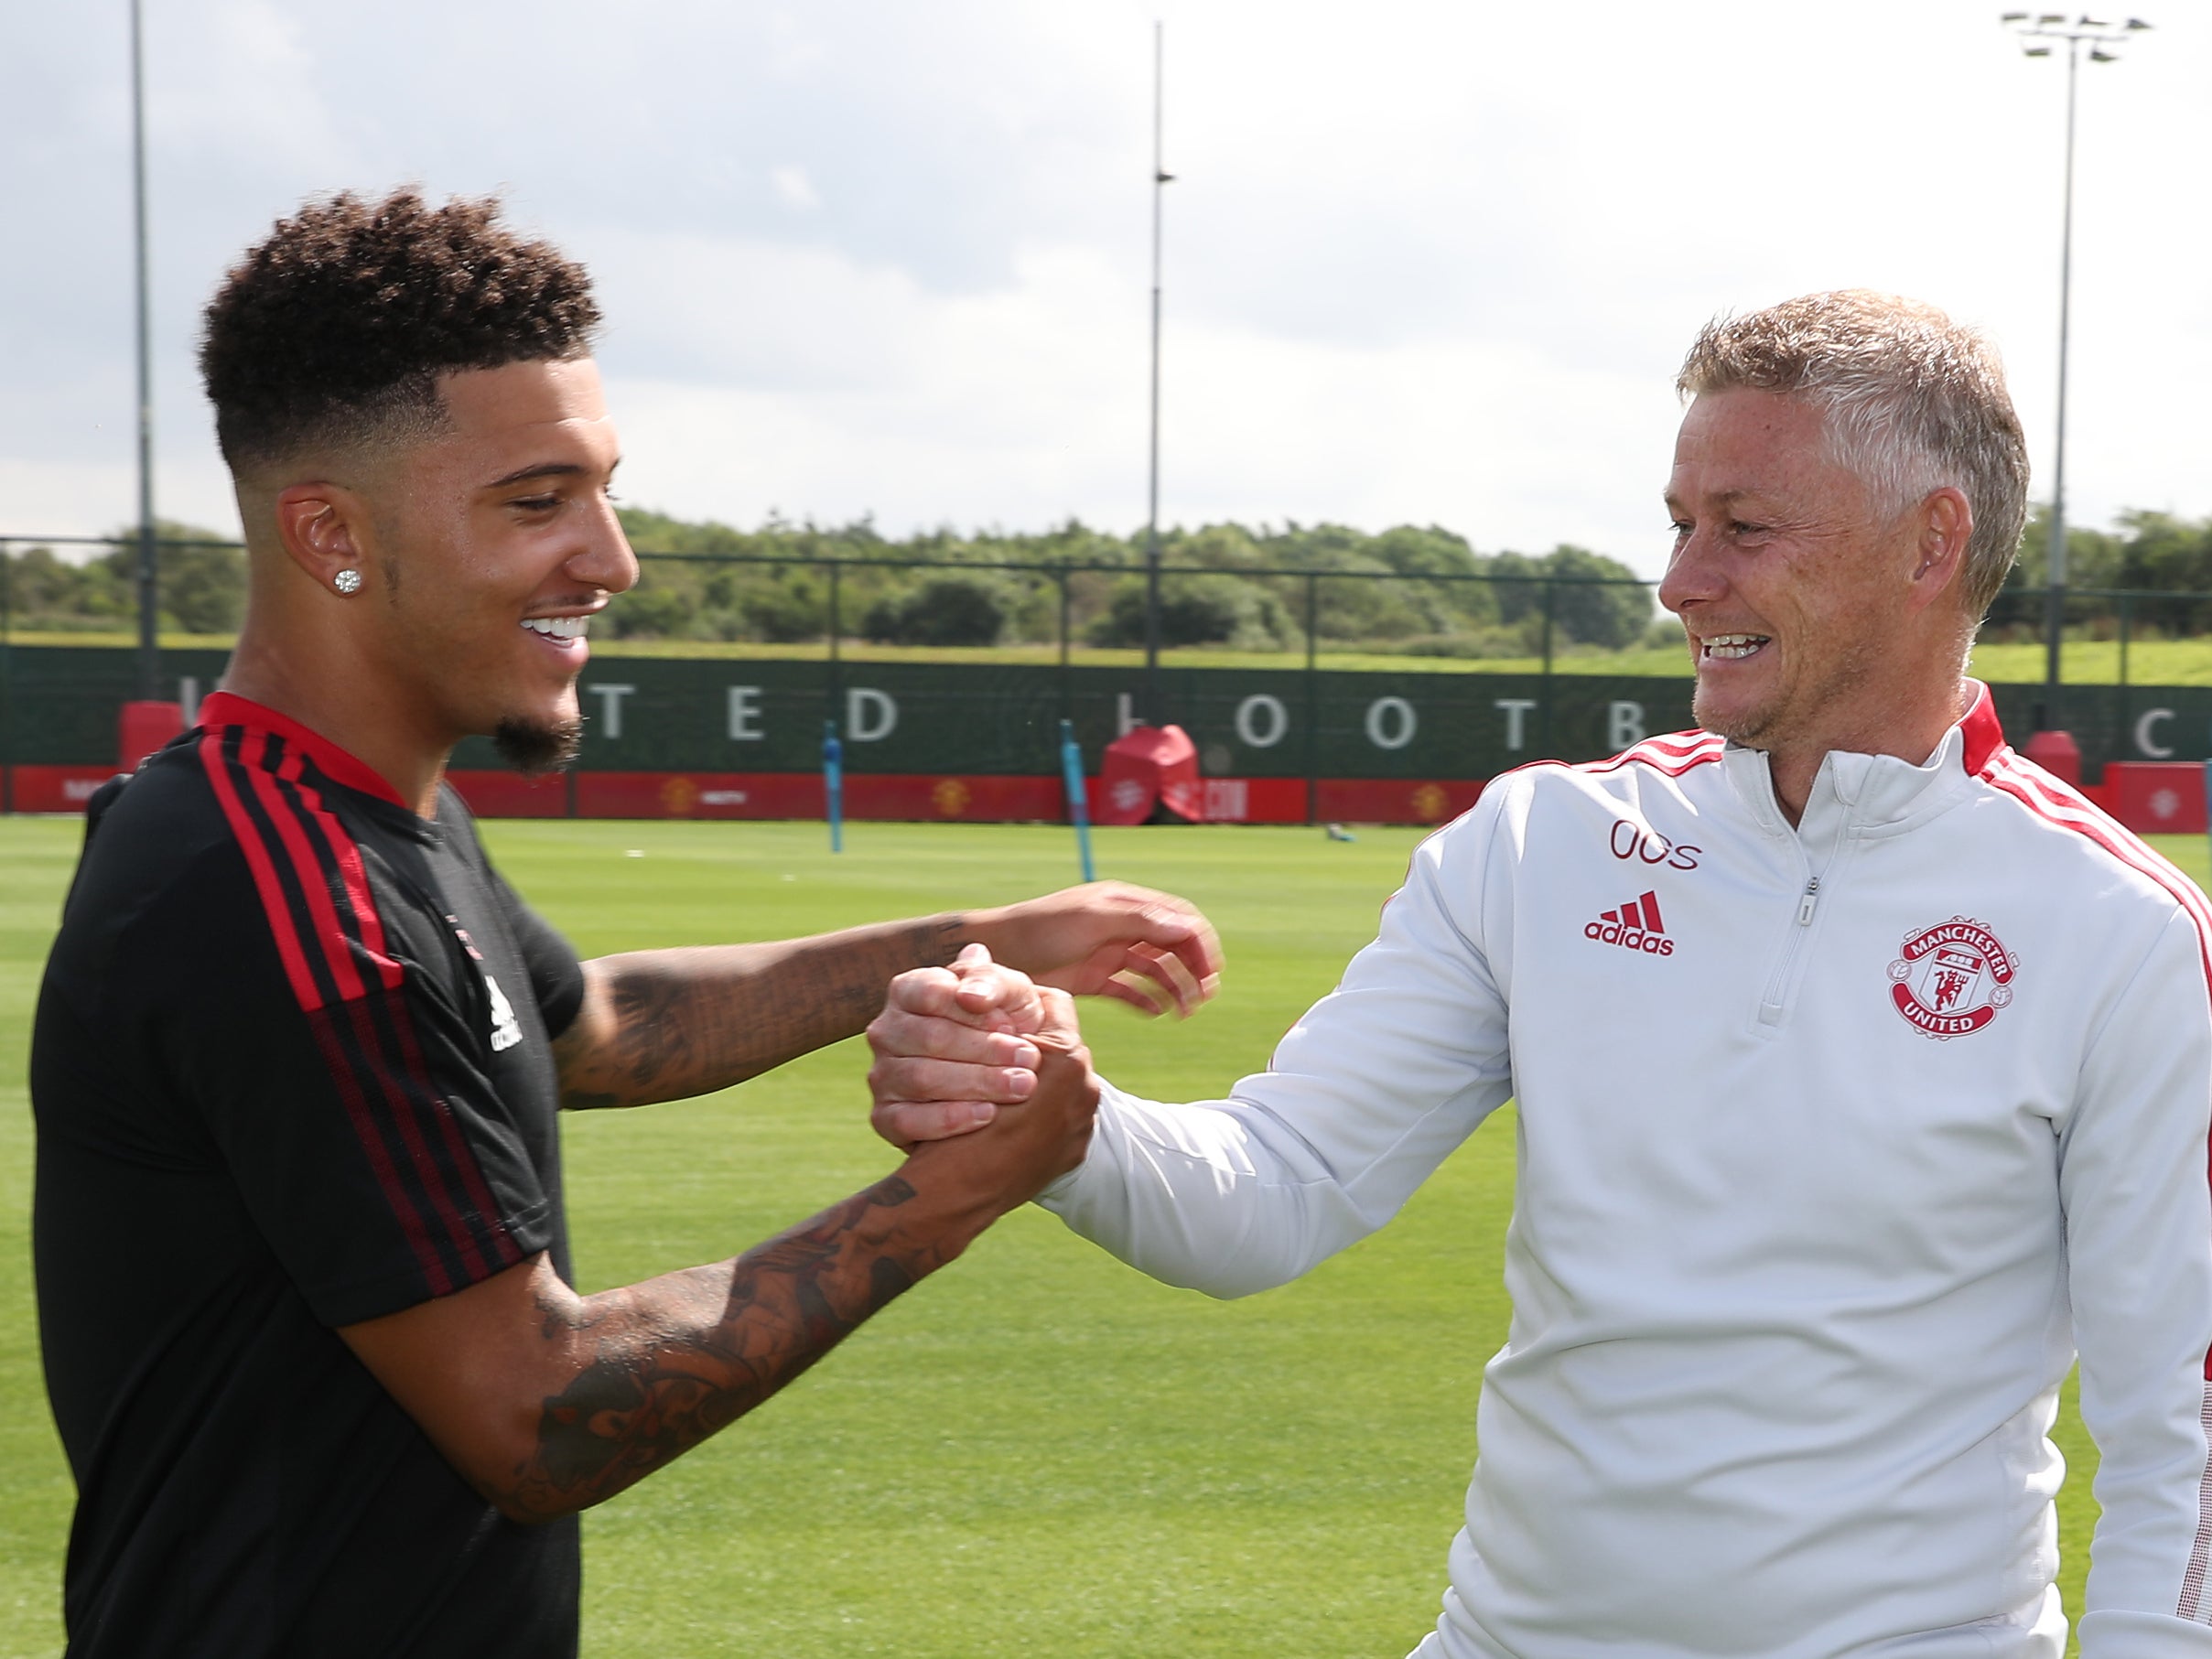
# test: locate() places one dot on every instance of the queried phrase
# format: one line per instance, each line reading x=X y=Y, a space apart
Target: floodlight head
x=2014 y=18
x=2036 y=51
x=2136 y=23
x=2050 y=17
x=2097 y=55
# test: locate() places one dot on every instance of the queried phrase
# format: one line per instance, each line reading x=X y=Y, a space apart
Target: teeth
x=558 y=628
x=1734 y=644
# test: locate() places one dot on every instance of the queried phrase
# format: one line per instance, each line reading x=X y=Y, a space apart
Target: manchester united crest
x=1952 y=979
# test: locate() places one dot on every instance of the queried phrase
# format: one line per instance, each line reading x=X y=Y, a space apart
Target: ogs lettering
x=1648 y=847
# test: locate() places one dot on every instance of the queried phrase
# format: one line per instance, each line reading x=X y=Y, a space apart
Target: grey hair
x=1912 y=402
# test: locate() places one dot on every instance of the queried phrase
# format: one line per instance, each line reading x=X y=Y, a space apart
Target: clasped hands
x=958 y=1048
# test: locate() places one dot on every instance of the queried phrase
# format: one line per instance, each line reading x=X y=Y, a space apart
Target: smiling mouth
x=1727 y=647
x=558 y=628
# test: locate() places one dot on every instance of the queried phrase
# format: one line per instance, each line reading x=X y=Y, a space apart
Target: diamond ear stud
x=347 y=580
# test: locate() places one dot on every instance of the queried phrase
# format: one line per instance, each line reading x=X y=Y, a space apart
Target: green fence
x=58 y=704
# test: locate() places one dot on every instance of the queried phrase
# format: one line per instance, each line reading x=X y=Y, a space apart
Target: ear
x=323 y=528
x=1943 y=525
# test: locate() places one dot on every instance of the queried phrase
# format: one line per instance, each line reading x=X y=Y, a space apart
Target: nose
x=606 y=559
x=1693 y=572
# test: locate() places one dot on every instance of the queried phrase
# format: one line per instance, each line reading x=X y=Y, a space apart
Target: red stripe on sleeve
x=288 y=801
x=2053 y=801
x=352 y=877
x=382 y=1094
x=401 y=1101
x=372 y=1143
x=464 y=1156
x=273 y=901
x=307 y=868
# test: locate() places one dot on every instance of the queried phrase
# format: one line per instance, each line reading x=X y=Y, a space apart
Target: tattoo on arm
x=690 y=1021
x=660 y=1379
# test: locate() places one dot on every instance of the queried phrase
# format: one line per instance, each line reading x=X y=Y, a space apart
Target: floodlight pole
x=1155 y=713
x=2055 y=567
x=2052 y=26
x=149 y=598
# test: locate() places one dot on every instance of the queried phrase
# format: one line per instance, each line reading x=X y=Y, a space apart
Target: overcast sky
x=1427 y=263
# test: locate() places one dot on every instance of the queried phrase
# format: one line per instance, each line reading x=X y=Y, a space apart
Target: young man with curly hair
x=309 y=1326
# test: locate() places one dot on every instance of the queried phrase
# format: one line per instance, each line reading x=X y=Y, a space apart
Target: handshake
x=980 y=1073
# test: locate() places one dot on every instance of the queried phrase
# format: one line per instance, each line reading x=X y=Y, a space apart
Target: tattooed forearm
x=684 y=1022
x=659 y=1378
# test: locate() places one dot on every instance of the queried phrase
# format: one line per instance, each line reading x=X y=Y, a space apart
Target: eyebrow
x=543 y=469
x=1726 y=498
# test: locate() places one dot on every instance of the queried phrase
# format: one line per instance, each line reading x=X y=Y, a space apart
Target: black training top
x=291 y=1070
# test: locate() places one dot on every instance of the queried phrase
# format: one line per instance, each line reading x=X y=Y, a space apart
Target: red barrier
x=1253 y=800
x=143 y=727
x=55 y=789
x=1395 y=800
x=500 y=794
x=918 y=797
x=921 y=797
x=973 y=799
x=2156 y=797
x=701 y=796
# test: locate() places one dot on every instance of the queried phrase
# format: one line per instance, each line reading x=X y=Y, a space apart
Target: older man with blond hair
x=1843 y=1128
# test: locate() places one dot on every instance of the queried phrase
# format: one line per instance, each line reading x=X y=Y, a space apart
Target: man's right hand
x=953 y=1045
x=1027 y=1144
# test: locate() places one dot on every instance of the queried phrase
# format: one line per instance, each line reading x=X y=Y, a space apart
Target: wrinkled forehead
x=1741 y=442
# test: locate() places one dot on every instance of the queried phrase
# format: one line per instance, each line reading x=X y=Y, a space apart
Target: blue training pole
x=1079 y=808
x=833 y=783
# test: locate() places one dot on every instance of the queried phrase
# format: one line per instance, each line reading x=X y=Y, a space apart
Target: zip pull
x=1805 y=905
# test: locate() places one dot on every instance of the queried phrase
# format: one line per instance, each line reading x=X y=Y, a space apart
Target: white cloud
x=794 y=187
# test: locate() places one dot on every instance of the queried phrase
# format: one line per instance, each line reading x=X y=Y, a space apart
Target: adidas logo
x=1636 y=926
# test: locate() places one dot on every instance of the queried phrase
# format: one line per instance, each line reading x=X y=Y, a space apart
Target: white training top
x=1834 y=1142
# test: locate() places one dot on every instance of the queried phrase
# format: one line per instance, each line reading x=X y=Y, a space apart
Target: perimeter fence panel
x=730 y=663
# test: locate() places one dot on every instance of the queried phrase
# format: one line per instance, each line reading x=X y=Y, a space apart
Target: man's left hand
x=1153 y=951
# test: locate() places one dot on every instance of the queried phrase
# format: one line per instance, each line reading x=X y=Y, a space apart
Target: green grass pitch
x=1037 y=1449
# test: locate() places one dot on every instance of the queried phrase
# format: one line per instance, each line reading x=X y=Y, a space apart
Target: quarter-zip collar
x=1873 y=794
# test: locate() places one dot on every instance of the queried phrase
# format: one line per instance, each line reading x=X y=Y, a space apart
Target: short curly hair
x=1913 y=401
x=336 y=327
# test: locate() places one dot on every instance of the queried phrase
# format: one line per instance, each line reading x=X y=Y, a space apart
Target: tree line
x=2162 y=560
x=1418 y=591
x=941 y=587
x=936 y=587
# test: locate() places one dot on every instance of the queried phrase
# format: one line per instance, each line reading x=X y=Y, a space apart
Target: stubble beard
x=1801 y=705
x=1744 y=726
x=534 y=748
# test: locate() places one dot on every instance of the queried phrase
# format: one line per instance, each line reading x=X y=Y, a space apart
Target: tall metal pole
x=1154 y=711
x=2054 y=584
x=2034 y=30
x=149 y=593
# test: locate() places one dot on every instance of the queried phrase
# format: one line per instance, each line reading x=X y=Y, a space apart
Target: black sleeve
x=362 y=1131
x=557 y=977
